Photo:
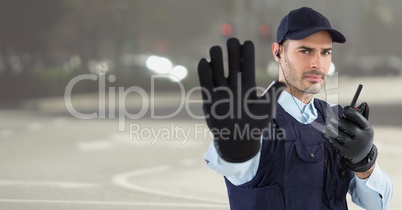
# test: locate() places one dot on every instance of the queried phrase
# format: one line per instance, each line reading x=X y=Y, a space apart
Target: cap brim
x=336 y=35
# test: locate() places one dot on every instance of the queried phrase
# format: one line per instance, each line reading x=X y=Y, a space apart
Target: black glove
x=364 y=109
x=352 y=136
x=234 y=113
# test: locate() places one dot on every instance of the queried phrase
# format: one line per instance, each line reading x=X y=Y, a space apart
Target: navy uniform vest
x=298 y=169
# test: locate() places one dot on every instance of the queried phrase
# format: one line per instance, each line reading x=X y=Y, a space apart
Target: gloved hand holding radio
x=352 y=136
x=234 y=113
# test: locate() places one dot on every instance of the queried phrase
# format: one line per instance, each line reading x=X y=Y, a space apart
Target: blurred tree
x=25 y=27
x=380 y=25
x=95 y=29
x=104 y=29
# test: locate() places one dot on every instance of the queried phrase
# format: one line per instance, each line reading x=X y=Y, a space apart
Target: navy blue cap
x=303 y=22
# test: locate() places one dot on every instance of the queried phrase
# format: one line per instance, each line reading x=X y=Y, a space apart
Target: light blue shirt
x=372 y=193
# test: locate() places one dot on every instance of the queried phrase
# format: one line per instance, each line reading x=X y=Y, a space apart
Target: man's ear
x=276 y=51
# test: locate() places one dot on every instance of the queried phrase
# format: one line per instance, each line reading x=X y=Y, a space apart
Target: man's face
x=307 y=62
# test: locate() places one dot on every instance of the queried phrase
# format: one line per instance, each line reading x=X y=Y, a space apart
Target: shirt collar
x=303 y=113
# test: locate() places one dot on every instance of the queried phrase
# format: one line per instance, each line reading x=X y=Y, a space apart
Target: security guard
x=287 y=149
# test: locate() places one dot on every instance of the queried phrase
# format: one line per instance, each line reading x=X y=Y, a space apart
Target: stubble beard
x=295 y=81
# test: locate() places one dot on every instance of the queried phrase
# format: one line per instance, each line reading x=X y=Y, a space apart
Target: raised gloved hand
x=234 y=113
x=352 y=137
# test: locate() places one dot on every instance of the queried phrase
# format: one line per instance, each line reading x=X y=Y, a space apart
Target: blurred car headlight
x=160 y=65
x=178 y=73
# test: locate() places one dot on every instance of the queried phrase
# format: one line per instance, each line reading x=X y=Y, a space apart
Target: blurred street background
x=98 y=106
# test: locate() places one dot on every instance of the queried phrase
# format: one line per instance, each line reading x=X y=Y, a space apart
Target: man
x=287 y=149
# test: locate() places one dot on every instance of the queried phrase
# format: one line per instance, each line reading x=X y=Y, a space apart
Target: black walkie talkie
x=354 y=100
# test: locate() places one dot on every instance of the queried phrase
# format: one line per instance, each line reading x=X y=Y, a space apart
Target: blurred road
x=52 y=160
x=63 y=162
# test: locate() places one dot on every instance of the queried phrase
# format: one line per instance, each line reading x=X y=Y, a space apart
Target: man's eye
x=305 y=51
x=326 y=53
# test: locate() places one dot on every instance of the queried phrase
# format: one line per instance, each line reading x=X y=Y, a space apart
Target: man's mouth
x=314 y=77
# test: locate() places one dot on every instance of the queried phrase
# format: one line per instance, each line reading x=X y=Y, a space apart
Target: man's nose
x=316 y=62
